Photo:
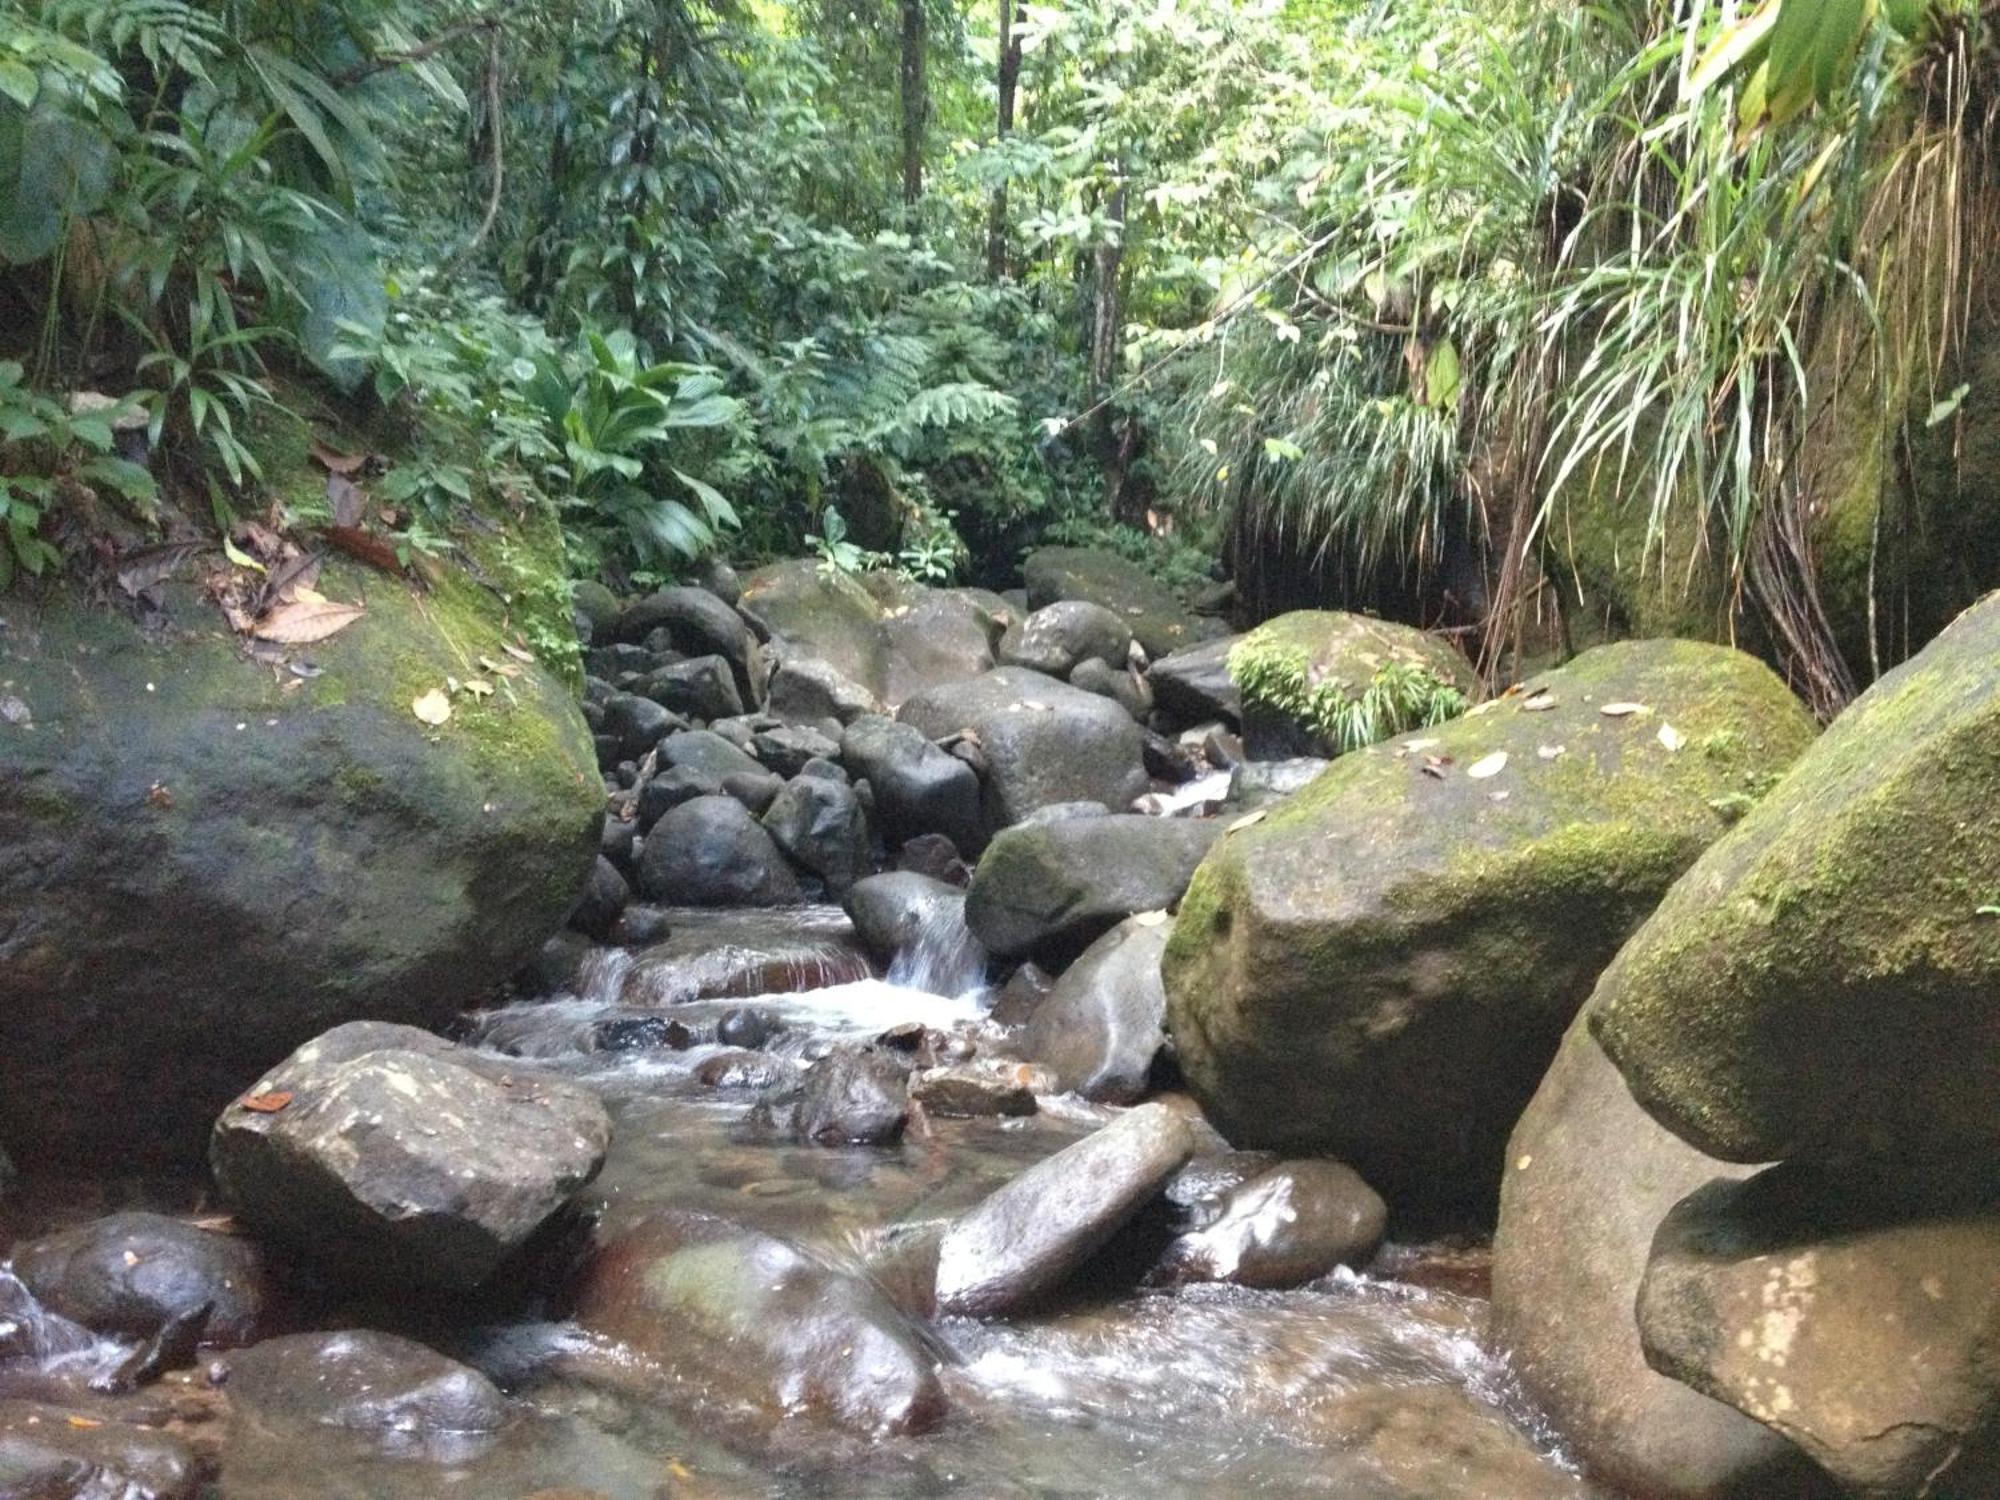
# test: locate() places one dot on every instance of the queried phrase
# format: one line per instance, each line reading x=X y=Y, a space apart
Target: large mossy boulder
x=207 y=859
x=1323 y=682
x=1826 y=980
x=1589 y=1178
x=1158 y=621
x=1382 y=969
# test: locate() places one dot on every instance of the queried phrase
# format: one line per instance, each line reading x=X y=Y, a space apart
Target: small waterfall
x=945 y=958
x=30 y=1334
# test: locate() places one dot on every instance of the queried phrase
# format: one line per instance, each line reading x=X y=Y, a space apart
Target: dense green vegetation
x=924 y=282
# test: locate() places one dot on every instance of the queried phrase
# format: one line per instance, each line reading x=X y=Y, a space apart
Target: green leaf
x=1442 y=375
x=1909 y=18
x=52 y=168
x=19 y=83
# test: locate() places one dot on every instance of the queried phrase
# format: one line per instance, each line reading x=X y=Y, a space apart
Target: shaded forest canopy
x=1537 y=321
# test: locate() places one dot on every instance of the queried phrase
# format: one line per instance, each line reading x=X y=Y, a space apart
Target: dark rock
x=745 y=1027
x=936 y=857
x=806 y=690
x=740 y=1068
x=364 y=1382
x=711 y=852
x=387 y=1152
x=1382 y=969
x=701 y=625
x=609 y=663
x=1056 y=638
x=740 y=732
x=756 y=790
x=1223 y=750
x=706 y=751
x=919 y=789
x=48 y=1453
x=640 y=927
x=1030 y=1236
x=1104 y=1022
x=1290 y=1225
x=1053 y=890
x=1589 y=1177
x=1043 y=742
x=555 y=969
x=603 y=898
x=132 y=1274
x=701 y=688
x=670 y=789
x=616 y=841
x=789 y=748
x=1120 y=684
x=1170 y=760
x=638 y=724
x=1160 y=622
x=976 y=1089
x=643 y=1034
x=820 y=824
x=1022 y=995
x=853 y=1098
x=826 y=770
x=720 y=579
x=759 y=1326
x=1857 y=1315
x=1193 y=685
x=890 y=911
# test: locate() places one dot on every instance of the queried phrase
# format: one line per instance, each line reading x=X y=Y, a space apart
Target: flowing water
x=1360 y=1387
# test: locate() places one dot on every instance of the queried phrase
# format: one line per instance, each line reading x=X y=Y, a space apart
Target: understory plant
x=1400 y=696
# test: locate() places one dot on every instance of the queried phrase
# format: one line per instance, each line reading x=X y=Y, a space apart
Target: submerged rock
x=756 y=1325
x=853 y=1098
x=132 y=1274
x=1052 y=889
x=1825 y=981
x=48 y=1453
x=364 y=1382
x=1103 y=1024
x=1858 y=1317
x=1029 y=1237
x=1382 y=968
x=388 y=1153
x=1282 y=1228
x=1589 y=1178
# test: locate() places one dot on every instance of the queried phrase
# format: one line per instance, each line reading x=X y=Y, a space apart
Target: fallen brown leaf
x=306 y=619
x=516 y=652
x=339 y=463
x=267 y=1104
x=347 y=498
x=433 y=708
x=366 y=546
x=1622 y=710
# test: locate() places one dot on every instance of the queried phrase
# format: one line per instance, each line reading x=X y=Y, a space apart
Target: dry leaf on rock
x=1671 y=738
x=478 y=688
x=1248 y=820
x=1622 y=710
x=267 y=1104
x=1489 y=767
x=433 y=708
x=1539 y=702
x=516 y=652
x=339 y=463
x=347 y=498
x=308 y=618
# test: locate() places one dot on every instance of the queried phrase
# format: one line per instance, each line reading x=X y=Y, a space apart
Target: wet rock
x=554 y=970
x=1438 y=1442
x=700 y=624
x=1382 y=968
x=1052 y=890
x=132 y=1274
x=48 y=1453
x=1055 y=639
x=386 y=1152
x=1023 y=993
x=1302 y=670
x=604 y=897
x=1856 y=1315
x=826 y=770
x=919 y=789
x=364 y=1382
x=616 y=843
x=1290 y=1225
x=640 y=927
x=790 y=748
x=1042 y=741
x=976 y=1089
x=1823 y=983
x=890 y=912
x=853 y=1098
x=1160 y=622
x=1259 y=783
x=1193 y=685
x=1170 y=760
x=820 y=824
x=743 y=1069
x=706 y=751
x=761 y=1326
x=937 y=858
x=642 y=1034
x=745 y=1027
x=711 y=852
x=755 y=790
x=702 y=688
x=1120 y=684
x=638 y=724
x=1589 y=1178
x=1030 y=1236
x=1104 y=1022
x=806 y=690
x=1200 y=1190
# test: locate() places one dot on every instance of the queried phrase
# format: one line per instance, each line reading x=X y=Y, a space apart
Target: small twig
x=382 y=62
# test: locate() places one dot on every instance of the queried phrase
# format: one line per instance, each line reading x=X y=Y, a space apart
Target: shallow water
x=1359 y=1387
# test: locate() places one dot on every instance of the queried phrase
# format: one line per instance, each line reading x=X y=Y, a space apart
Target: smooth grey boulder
x=1158 y=620
x=890 y=912
x=1193 y=686
x=1055 y=638
x=1030 y=1236
x=364 y=1381
x=919 y=789
x=387 y=1153
x=703 y=687
x=1042 y=741
x=789 y=748
x=1051 y=890
x=769 y=1334
x=821 y=825
x=701 y=624
x=1855 y=1313
x=1104 y=1023
x=133 y=1274
x=1121 y=685
x=1283 y=1227
x=707 y=752
x=806 y=690
x=1589 y=1178
x=711 y=852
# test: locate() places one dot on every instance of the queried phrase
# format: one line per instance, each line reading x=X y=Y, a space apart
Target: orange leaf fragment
x=267 y=1104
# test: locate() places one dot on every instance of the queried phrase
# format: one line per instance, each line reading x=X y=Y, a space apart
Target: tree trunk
x=1115 y=441
x=1009 y=81
x=916 y=98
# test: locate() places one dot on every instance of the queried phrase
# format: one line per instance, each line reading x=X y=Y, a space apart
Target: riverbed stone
x=1042 y=741
x=1030 y=1236
x=386 y=1152
x=364 y=1381
x=1855 y=1313
x=780 y=1335
x=806 y=690
x=1050 y=890
x=1158 y=620
x=1193 y=686
x=604 y=896
x=919 y=789
x=707 y=752
x=1282 y=1228
x=1101 y=1027
x=853 y=1097
x=788 y=749
x=637 y=723
x=132 y=1274
x=1825 y=982
x=700 y=624
x=1589 y=1178
x=703 y=687
x=1382 y=968
x=821 y=825
x=983 y=1087
x=711 y=852
x=891 y=911
x=207 y=861
x=668 y=790
x=49 y=1453
x=1055 y=638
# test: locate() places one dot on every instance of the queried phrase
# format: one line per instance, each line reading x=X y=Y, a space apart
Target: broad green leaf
x=1442 y=375
x=52 y=168
x=1734 y=48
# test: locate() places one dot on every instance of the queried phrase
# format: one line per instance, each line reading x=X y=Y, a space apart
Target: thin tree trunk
x=916 y=98
x=1010 y=82
x=1107 y=318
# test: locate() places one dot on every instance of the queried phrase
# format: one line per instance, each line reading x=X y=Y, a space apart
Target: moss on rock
x=1320 y=682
